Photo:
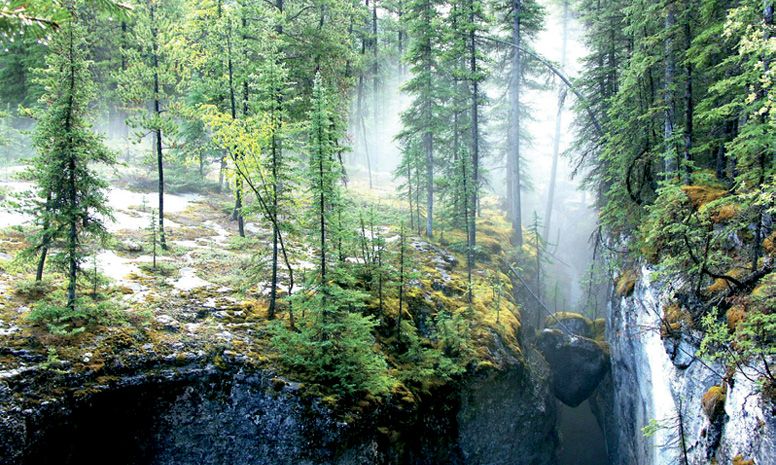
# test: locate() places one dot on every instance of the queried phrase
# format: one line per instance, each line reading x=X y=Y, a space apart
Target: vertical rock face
x=656 y=381
x=496 y=426
x=206 y=416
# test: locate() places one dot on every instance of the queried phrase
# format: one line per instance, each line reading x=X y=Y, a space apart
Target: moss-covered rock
x=570 y=323
x=713 y=402
x=626 y=283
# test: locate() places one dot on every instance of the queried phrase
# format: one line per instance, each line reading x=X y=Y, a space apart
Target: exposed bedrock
x=577 y=364
x=200 y=414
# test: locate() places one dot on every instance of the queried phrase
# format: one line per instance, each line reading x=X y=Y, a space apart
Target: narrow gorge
x=387 y=232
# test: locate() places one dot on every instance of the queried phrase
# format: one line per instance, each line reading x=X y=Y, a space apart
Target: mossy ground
x=224 y=317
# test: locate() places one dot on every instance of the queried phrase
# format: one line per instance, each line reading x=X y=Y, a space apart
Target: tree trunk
x=669 y=67
x=237 y=212
x=688 y=100
x=72 y=193
x=428 y=137
x=158 y=130
x=768 y=7
x=475 y=104
x=513 y=157
x=556 y=139
x=375 y=80
x=45 y=241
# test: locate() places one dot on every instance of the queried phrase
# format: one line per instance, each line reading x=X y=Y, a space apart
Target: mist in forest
x=573 y=220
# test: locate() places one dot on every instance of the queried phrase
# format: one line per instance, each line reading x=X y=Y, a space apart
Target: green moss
x=599 y=329
x=713 y=402
x=626 y=283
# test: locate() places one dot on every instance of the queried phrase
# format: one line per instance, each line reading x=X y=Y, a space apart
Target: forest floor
x=207 y=299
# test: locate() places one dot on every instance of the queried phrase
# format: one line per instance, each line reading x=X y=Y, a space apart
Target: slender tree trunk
x=400 y=38
x=401 y=282
x=375 y=67
x=45 y=242
x=362 y=123
x=277 y=151
x=417 y=197
x=428 y=146
x=361 y=110
x=669 y=67
x=556 y=139
x=466 y=215
x=475 y=128
x=428 y=137
x=768 y=7
x=409 y=195
x=513 y=158
x=72 y=193
x=158 y=130
x=688 y=98
x=237 y=212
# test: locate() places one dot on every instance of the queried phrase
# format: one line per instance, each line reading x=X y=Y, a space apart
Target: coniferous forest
x=387 y=232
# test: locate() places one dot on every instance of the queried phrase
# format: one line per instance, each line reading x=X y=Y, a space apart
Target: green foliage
x=33 y=289
x=61 y=320
x=338 y=353
x=68 y=201
x=424 y=362
x=749 y=349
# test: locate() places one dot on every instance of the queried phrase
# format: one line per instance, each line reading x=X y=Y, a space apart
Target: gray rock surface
x=577 y=364
x=157 y=413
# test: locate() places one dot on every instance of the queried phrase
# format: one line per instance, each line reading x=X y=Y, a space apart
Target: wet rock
x=680 y=350
x=131 y=246
x=168 y=323
x=573 y=324
x=577 y=364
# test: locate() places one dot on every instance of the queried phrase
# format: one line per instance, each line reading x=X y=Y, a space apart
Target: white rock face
x=649 y=386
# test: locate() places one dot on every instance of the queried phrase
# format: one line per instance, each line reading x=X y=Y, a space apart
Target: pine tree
x=63 y=172
x=522 y=18
x=149 y=80
x=421 y=121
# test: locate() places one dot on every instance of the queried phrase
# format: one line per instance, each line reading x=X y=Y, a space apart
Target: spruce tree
x=148 y=83
x=76 y=204
x=421 y=120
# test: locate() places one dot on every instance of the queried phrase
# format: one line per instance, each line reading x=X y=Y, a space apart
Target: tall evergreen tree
x=75 y=204
x=421 y=120
x=149 y=81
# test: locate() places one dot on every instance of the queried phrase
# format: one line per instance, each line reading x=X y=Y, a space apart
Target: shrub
x=339 y=353
x=63 y=321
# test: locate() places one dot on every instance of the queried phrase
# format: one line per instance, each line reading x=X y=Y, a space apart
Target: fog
x=573 y=218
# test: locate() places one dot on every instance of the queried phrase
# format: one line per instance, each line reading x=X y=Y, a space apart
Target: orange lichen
x=713 y=401
x=627 y=282
x=724 y=213
x=734 y=316
x=675 y=318
x=722 y=284
x=769 y=244
x=701 y=195
x=739 y=460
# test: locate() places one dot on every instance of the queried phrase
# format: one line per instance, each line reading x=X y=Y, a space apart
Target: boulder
x=577 y=365
x=570 y=323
